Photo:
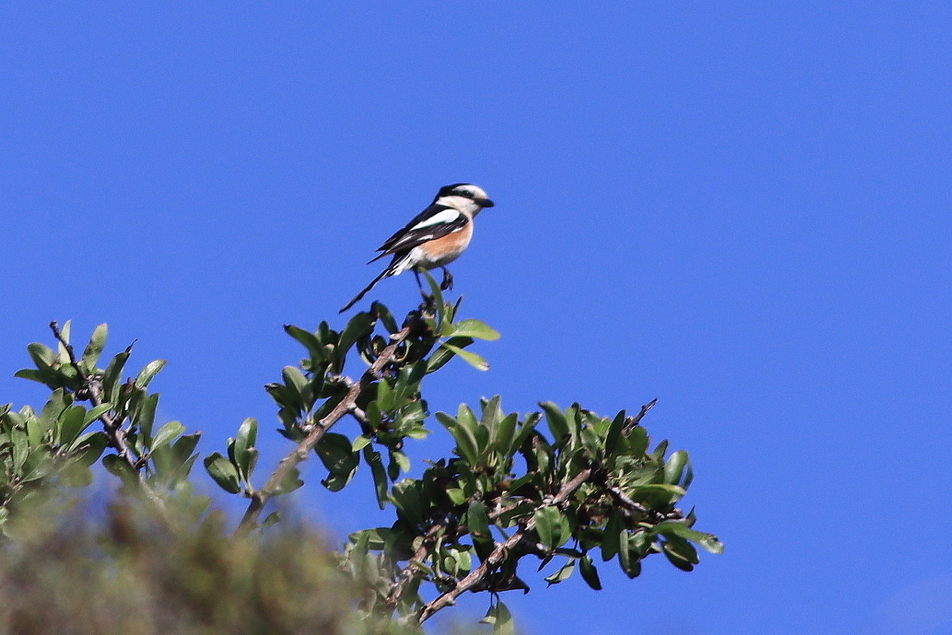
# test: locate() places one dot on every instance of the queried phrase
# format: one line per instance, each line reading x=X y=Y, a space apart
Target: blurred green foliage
x=125 y=569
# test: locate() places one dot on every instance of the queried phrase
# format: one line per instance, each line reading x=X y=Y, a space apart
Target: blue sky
x=741 y=209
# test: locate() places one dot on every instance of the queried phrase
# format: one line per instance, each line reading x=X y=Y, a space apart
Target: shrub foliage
x=565 y=487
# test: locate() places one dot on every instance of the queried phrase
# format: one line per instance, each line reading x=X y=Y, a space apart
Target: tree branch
x=499 y=554
x=347 y=405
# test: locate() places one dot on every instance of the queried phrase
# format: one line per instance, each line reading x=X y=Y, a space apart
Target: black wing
x=446 y=220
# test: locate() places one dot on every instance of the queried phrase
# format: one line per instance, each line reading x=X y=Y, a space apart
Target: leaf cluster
x=565 y=487
x=59 y=444
x=385 y=399
x=588 y=488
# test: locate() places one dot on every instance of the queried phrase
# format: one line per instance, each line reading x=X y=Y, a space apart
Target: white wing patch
x=440 y=218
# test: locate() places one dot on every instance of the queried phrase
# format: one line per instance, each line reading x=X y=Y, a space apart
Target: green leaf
x=244 y=443
x=562 y=574
x=337 y=482
x=558 y=424
x=360 y=443
x=659 y=493
x=637 y=439
x=272 y=518
x=94 y=413
x=185 y=445
x=614 y=433
x=551 y=526
x=247 y=463
x=408 y=499
x=385 y=396
x=504 y=432
x=402 y=460
x=339 y=459
x=120 y=468
x=573 y=416
x=166 y=433
x=42 y=377
x=611 y=536
x=437 y=294
x=146 y=414
x=379 y=474
x=475 y=329
x=503 y=624
x=223 y=472
x=466 y=446
x=39 y=464
x=308 y=339
x=491 y=410
x=295 y=380
x=174 y=462
x=247 y=435
x=291 y=481
x=671 y=528
x=89 y=447
x=467 y=418
x=112 y=374
x=393 y=468
x=385 y=316
x=688 y=477
x=477 y=519
x=95 y=347
x=627 y=557
x=674 y=467
x=472 y=359
x=659 y=450
x=680 y=553
x=360 y=325
x=64 y=333
x=147 y=373
x=335 y=451
x=442 y=355
x=72 y=424
x=411 y=376
x=42 y=355
x=524 y=431
x=456 y=495
x=21 y=448
x=38 y=427
x=589 y=573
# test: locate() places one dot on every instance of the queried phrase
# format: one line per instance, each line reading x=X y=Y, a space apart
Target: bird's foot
x=447 y=284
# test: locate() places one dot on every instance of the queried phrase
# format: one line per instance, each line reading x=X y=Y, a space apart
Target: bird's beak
x=485 y=202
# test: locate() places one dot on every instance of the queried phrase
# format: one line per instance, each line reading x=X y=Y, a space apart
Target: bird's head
x=463 y=196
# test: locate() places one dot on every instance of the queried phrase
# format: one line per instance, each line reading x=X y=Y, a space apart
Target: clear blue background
x=741 y=209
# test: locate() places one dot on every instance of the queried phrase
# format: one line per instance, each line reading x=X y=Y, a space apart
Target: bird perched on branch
x=435 y=238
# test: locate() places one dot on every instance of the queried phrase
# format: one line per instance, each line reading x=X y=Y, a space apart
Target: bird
x=434 y=238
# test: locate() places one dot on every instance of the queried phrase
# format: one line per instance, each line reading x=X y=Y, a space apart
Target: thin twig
x=634 y=421
x=300 y=453
x=115 y=434
x=408 y=572
x=624 y=501
x=93 y=388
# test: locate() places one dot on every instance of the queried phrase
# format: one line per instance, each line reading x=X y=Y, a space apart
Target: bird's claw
x=447 y=283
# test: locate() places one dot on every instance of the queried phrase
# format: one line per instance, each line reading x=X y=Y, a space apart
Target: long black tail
x=383 y=274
